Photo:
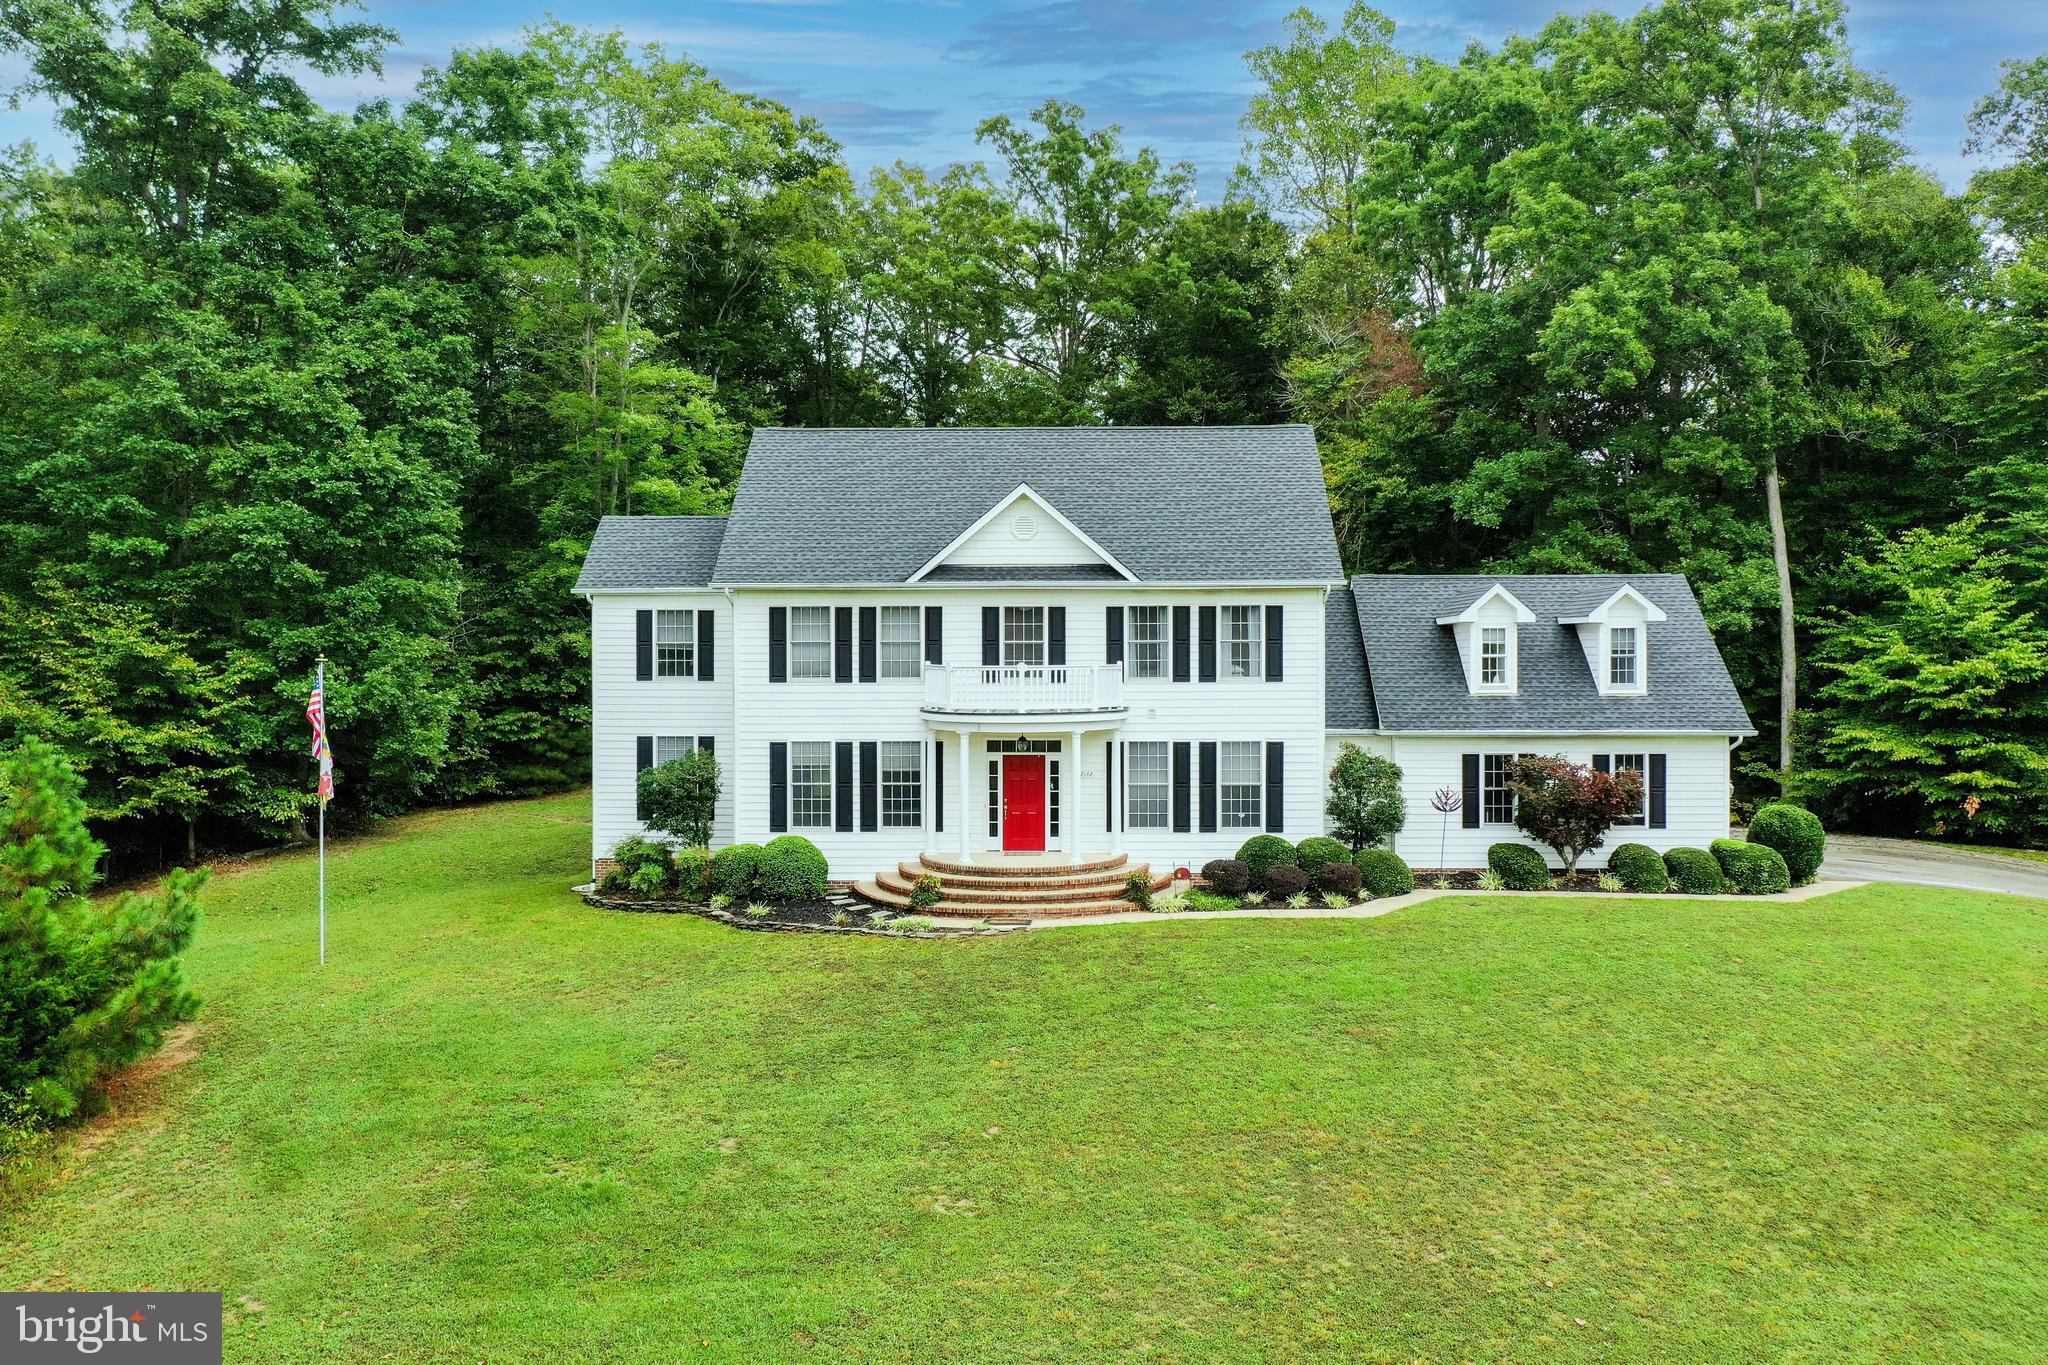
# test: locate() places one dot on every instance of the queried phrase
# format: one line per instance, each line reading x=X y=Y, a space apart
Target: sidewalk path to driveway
x=1374 y=909
x=1895 y=860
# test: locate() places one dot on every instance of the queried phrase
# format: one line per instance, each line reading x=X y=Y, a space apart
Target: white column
x=1076 y=826
x=930 y=754
x=1116 y=794
x=964 y=845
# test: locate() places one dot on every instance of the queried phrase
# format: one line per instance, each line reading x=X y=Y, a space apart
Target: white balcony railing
x=1011 y=687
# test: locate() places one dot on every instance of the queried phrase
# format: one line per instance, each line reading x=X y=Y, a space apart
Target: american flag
x=316 y=712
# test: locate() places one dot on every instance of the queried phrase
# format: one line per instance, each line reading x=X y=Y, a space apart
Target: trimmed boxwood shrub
x=1384 y=874
x=1755 y=869
x=1519 y=867
x=733 y=869
x=1264 y=851
x=1695 y=872
x=1640 y=868
x=693 y=871
x=1284 y=880
x=645 y=863
x=1796 y=833
x=1227 y=876
x=791 y=869
x=1317 y=852
x=1338 y=879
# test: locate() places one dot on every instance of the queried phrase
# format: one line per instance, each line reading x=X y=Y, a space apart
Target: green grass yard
x=501 y=1125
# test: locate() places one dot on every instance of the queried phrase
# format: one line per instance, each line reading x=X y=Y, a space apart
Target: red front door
x=1024 y=803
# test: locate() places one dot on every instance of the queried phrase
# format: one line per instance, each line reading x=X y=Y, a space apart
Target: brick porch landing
x=1009 y=886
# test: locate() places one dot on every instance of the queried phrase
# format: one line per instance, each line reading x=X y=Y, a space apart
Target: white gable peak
x=1023 y=530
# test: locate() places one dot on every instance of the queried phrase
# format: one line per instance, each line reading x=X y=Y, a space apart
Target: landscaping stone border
x=771 y=924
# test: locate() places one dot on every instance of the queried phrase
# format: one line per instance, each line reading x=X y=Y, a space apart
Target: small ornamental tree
x=1365 y=806
x=86 y=985
x=679 y=797
x=1569 y=806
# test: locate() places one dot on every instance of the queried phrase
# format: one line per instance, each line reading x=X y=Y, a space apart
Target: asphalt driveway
x=1854 y=858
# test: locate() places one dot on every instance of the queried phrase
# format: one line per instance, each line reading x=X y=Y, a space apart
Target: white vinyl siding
x=810 y=642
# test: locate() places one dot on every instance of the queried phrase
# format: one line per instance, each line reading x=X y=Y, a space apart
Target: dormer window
x=1622 y=669
x=1487 y=635
x=1616 y=638
x=1493 y=656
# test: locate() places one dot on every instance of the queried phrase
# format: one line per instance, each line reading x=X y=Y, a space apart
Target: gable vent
x=1023 y=526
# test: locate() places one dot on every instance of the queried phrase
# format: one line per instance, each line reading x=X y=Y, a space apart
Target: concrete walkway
x=1896 y=860
x=1374 y=909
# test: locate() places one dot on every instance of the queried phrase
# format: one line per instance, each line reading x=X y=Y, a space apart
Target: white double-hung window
x=902 y=783
x=669 y=748
x=1624 y=657
x=675 y=644
x=810 y=642
x=902 y=642
x=1149 y=780
x=1496 y=800
x=1148 y=642
x=1023 y=637
x=1241 y=784
x=1241 y=653
x=1493 y=656
x=810 y=784
x=1639 y=764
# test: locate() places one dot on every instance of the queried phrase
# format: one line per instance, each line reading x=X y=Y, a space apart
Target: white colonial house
x=1023 y=651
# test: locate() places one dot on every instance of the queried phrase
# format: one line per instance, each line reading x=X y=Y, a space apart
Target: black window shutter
x=842 y=786
x=1207 y=616
x=778 y=644
x=1602 y=763
x=1181 y=672
x=705 y=671
x=935 y=635
x=842 y=645
x=1207 y=756
x=938 y=776
x=1275 y=614
x=1472 y=791
x=705 y=742
x=1113 y=635
x=643 y=646
x=1183 y=806
x=1276 y=788
x=991 y=636
x=778 y=787
x=1056 y=636
x=643 y=759
x=870 y=785
x=1657 y=811
x=868 y=671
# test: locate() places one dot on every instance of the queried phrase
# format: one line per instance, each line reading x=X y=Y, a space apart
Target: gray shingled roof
x=638 y=553
x=1172 y=504
x=1347 y=686
x=1420 y=687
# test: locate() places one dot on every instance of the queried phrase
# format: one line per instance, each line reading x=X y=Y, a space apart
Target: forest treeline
x=1660 y=292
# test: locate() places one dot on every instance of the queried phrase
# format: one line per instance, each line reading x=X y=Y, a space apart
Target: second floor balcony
x=1020 y=689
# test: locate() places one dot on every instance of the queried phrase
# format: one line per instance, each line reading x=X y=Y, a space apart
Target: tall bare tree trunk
x=1788 y=644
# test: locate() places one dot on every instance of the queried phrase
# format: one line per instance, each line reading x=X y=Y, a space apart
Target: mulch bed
x=807 y=917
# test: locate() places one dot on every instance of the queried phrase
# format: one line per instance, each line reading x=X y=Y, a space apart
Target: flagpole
x=320 y=682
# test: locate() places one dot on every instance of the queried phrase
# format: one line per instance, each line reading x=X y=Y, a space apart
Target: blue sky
x=909 y=79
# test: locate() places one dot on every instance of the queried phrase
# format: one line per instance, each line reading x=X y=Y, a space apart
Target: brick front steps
x=1037 y=889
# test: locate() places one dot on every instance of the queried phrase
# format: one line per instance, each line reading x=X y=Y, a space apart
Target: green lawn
x=501 y=1125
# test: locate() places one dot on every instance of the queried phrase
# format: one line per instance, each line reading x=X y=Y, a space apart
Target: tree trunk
x=191 y=842
x=1788 y=644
